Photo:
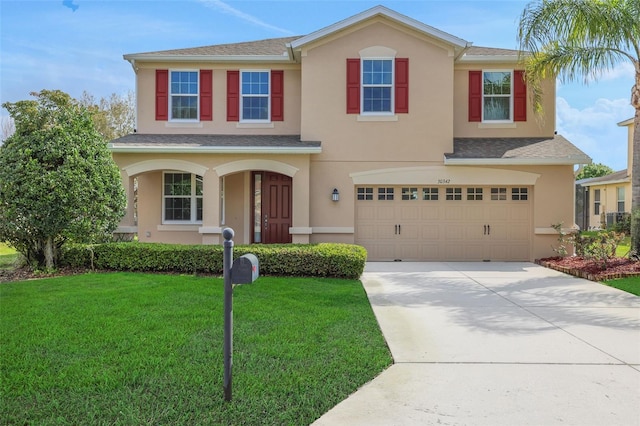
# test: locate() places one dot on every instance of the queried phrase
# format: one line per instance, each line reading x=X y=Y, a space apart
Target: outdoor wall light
x=335 y=195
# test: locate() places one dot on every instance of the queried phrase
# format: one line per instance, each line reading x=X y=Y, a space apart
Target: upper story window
x=255 y=95
x=377 y=85
x=497 y=96
x=184 y=95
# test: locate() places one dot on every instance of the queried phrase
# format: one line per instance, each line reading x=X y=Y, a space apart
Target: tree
x=113 y=117
x=594 y=170
x=581 y=39
x=58 y=181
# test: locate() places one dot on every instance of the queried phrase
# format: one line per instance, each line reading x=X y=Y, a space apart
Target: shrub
x=319 y=260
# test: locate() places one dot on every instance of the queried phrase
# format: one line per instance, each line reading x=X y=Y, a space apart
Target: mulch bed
x=619 y=267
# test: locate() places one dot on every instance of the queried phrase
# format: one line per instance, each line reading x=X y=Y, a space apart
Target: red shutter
x=402 y=85
x=353 y=86
x=233 y=95
x=277 y=95
x=519 y=96
x=475 y=95
x=162 y=95
x=206 y=95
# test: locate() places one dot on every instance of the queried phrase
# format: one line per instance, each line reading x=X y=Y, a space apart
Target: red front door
x=276 y=208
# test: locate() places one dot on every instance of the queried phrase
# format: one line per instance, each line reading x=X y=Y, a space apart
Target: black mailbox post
x=245 y=269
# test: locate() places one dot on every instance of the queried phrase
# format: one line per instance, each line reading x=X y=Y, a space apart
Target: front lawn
x=630 y=284
x=8 y=256
x=125 y=348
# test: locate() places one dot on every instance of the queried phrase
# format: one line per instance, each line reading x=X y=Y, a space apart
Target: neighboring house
x=607 y=196
x=377 y=130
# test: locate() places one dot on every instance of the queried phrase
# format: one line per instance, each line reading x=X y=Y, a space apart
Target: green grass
x=630 y=285
x=8 y=256
x=126 y=348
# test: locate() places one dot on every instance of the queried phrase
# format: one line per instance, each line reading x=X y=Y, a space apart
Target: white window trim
x=197 y=95
x=193 y=197
x=268 y=96
x=392 y=85
x=510 y=120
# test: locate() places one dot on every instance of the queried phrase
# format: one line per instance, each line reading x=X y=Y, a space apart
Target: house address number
x=444 y=181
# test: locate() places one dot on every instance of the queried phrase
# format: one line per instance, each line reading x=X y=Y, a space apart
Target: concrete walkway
x=498 y=344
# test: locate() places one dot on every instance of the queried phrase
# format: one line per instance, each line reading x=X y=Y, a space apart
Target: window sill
x=497 y=125
x=190 y=227
x=183 y=124
x=393 y=117
x=254 y=126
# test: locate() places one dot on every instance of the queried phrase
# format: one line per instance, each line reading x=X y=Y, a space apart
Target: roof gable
x=380 y=11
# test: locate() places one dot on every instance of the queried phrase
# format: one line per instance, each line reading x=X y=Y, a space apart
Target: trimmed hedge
x=311 y=260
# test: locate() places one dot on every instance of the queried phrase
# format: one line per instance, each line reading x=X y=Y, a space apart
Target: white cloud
x=225 y=8
x=594 y=129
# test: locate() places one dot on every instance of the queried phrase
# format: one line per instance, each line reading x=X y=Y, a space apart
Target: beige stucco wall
x=608 y=200
x=146 y=122
x=425 y=132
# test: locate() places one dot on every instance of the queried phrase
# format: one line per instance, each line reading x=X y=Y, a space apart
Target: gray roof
x=490 y=51
x=138 y=142
x=271 y=46
x=621 y=175
x=555 y=150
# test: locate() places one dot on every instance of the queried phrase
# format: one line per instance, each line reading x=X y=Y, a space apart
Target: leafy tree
x=594 y=170
x=58 y=181
x=113 y=117
x=581 y=39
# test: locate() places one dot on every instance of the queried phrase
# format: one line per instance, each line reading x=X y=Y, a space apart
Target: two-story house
x=377 y=130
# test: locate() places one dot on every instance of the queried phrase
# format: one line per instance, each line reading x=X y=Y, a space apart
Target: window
x=255 y=95
x=385 y=194
x=596 y=201
x=474 y=194
x=620 y=192
x=182 y=198
x=453 y=194
x=365 y=194
x=519 y=194
x=184 y=95
x=377 y=86
x=377 y=82
x=430 y=194
x=496 y=95
x=498 y=194
x=409 y=193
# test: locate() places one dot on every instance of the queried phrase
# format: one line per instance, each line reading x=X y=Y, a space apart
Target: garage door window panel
x=453 y=194
x=474 y=194
x=365 y=194
x=498 y=194
x=519 y=194
x=430 y=194
x=409 y=194
x=385 y=194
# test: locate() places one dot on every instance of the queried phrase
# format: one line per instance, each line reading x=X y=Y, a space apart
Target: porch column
x=300 y=230
x=210 y=230
x=127 y=223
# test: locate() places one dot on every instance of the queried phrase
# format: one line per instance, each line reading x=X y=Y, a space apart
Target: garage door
x=444 y=223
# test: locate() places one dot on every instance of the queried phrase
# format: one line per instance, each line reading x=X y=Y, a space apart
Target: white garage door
x=444 y=223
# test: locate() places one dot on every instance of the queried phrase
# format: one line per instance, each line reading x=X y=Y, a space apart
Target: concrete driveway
x=498 y=344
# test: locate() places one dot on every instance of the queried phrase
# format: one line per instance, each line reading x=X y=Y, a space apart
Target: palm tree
x=581 y=39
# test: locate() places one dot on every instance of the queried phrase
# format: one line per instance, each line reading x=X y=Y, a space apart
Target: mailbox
x=244 y=269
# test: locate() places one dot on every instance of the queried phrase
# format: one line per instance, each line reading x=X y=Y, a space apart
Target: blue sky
x=77 y=45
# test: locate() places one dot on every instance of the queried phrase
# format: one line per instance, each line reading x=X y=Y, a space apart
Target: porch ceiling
x=214 y=144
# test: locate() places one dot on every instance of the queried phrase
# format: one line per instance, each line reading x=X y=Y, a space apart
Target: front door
x=272 y=202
